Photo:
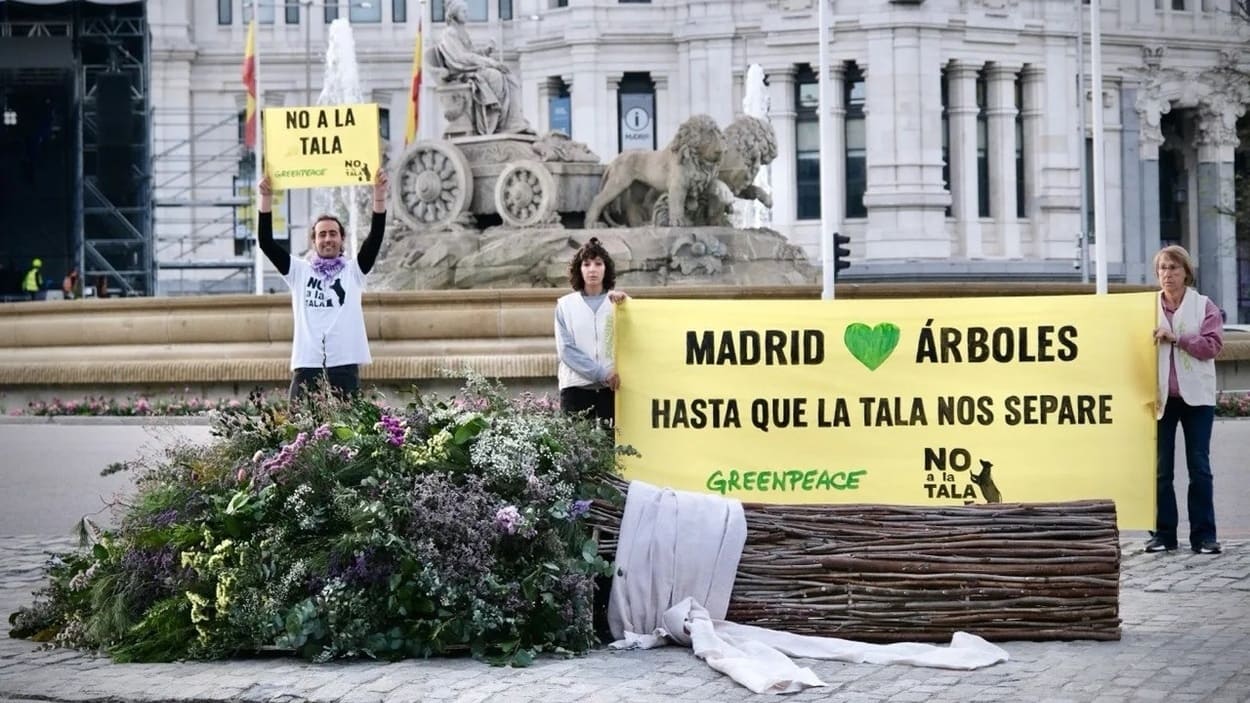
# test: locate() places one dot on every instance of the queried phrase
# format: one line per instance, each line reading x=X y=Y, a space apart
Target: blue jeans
x=1196 y=421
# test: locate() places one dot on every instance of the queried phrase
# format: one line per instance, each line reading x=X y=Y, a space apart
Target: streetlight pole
x=308 y=6
x=825 y=123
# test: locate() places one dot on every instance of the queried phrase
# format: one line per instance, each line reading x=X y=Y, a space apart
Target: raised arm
x=368 y=254
x=279 y=257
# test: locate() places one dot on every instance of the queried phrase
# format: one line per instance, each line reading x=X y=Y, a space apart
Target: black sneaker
x=1208 y=547
x=1156 y=544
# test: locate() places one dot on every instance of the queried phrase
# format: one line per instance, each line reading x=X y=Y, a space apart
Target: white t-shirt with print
x=329 y=319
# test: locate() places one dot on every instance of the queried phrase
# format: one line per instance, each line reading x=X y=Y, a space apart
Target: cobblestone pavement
x=1186 y=637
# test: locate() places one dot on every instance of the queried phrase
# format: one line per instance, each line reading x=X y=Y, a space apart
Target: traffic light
x=840 y=252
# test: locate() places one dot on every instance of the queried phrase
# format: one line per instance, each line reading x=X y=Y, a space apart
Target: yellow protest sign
x=914 y=402
x=323 y=145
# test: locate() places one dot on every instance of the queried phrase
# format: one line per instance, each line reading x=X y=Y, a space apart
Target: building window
x=806 y=144
x=364 y=13
x=225 y=11
x=1178 y=5
x=331 y=11
x=384 y=123
x=856 y=142
x=399 y=11
x=635 y=104
x=1021 y=209
x=264 y=11
x=292 y=11
x=559 y=106
x=946 y=136
x=505 y=9
x=983 y=148
x=560 y=3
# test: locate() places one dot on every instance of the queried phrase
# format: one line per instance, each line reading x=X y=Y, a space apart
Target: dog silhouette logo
x=985 y=482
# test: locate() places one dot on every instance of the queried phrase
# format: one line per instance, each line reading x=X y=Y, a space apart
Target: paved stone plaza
x=1186 y=637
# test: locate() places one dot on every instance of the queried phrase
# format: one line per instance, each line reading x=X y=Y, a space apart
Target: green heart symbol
x=871 y=345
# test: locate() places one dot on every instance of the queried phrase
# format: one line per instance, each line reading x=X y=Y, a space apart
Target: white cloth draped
x=679 y=549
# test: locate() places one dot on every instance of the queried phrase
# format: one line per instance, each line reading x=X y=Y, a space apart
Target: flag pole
x=258 y=261
x=825 y=103
x=1100 y=195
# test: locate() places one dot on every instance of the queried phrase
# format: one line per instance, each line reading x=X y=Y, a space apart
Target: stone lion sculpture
x=750 y=143
x=682 y=172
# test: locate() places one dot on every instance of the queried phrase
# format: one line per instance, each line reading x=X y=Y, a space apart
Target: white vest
x=592 y=333
x=329 y=319
x=1195 y=378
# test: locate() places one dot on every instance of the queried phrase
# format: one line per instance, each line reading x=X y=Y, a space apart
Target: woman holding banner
x=326 y=289
x=587 y=374
x=1189 y=335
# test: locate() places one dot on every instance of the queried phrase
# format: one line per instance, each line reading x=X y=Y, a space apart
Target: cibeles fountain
x=494 y=205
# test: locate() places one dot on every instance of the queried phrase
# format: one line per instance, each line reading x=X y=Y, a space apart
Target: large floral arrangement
x=346 y=529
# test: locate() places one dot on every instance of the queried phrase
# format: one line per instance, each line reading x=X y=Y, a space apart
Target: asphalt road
x=50 y=472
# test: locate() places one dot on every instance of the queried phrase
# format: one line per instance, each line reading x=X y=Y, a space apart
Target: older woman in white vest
x=587 y=371
x=1189 y=335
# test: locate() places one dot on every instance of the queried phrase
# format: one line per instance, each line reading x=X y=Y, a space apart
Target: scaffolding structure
x=203 y=181
x=114 y=240
x=110 y=224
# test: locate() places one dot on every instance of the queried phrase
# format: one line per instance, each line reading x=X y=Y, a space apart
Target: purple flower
x=395 y=429
x=327 y=269
x=507 y=519
x=580 y=508
x=285 y=456
x=322 y=432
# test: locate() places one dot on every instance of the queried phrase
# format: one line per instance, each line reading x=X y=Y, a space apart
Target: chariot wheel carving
x=525 y=194
x=434 y=187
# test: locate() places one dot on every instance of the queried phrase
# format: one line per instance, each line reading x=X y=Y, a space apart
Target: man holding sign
x=326 y=289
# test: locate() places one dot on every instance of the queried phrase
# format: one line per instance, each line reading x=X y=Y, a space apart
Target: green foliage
x=341 y=529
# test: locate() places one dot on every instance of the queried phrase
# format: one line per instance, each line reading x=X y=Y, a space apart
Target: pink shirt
x=1202 y=346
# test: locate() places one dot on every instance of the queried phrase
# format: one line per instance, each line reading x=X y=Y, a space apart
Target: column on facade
x=833 y=193
x=584 y=92
x=1217 y=226
x=1113 y=169
x=1057 y=194
x=905 y=198
x=720 y=81
x=1137 y=250
x=784 y=173
x=962 y=115
x=1001 y=109
x=610 y=124
x=537 y=94
x=663 y=106
x=1033 y=80
x=1148 y=112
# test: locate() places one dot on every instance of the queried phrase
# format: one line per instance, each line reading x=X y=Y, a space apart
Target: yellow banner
x=324 y=145
x=913 y=402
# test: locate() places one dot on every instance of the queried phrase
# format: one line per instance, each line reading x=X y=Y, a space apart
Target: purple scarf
x=328 y=269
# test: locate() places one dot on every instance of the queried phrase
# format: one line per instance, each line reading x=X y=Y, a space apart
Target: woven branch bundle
x=882 y=573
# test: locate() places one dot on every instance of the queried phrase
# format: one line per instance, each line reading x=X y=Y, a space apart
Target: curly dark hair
x=592 y=249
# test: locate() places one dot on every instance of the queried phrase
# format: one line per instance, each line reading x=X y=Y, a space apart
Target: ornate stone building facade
x=954 y=124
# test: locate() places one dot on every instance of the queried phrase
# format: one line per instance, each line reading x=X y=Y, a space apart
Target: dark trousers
x=344 y=381
x=1196 y=422
x=601 y=402
x=580 y=399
